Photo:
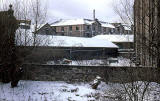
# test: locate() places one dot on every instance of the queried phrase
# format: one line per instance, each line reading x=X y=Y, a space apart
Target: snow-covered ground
x=62 y=91
x=97 y=62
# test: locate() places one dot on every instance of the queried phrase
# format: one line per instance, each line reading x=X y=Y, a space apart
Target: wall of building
x=46 y=30
x=146 y=32
x=73 y=32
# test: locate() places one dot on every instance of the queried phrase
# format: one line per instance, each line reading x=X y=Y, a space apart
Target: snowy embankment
x=61 y=91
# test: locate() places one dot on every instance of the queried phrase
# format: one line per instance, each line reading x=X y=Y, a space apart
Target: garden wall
x=88 y=73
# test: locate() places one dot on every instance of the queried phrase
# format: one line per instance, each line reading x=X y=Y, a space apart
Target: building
x=146 y=30
x=46 y=30
x=121 y=28
x=24 y=24
x=87 y=28
x=75 y=48
x=124 y=42
x=78 y=27
x=84 y=27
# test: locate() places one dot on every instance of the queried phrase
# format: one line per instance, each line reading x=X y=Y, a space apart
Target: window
x=93 y=28
x=87 y=35
x=47 y=30
x=77 y=28
x=104 y=29
x=70 y=28
x=88 y=27
x=62 y=29
x=112 y=30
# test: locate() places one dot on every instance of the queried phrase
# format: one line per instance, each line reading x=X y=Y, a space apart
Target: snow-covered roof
x=127 y=28
x=72 y=22
x=116 y=38
x=104 y=24
x=79 y=22
x=61 y=41
x=26 y=37
x=67 y=41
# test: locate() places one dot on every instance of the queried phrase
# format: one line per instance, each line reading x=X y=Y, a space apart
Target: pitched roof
x=105 y=24
x=71 y=22
x=79 y=22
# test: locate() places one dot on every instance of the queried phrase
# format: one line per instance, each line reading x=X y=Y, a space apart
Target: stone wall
x=42 y=54
x=88 y=73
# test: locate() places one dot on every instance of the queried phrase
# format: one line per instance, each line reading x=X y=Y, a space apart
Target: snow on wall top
x=116 y=38
x=79 y=22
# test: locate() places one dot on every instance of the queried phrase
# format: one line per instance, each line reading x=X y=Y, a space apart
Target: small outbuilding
x=122 y=41
x=51 y=46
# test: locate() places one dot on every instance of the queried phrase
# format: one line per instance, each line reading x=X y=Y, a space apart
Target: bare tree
x=38 y=16
x=124 y=9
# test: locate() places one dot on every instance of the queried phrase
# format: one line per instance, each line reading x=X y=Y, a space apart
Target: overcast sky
x=72 y=9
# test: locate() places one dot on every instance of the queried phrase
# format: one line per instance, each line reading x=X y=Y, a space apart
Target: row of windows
x=110 y=30
x=70 y=28
x=77 y=28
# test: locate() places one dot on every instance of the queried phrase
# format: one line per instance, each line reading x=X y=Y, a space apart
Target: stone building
x=121 y=28
x=78 y=27
x=84 y=28
x=147 y=32
x=88 y=27
x=46 y=30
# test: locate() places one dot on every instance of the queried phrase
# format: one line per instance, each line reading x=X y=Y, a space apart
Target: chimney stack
x=94 y=14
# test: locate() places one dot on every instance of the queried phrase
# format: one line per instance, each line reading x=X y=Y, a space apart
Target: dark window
x=88 y=27
x=77 y=28
x=70 y=28
x=62 y=28
x=94 y=28
x=24 y=27
x=104 y=29
x=47 y=30
x=87 y=35
x=110 y=31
